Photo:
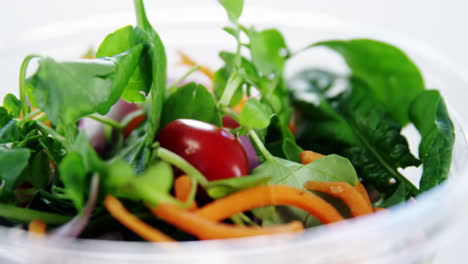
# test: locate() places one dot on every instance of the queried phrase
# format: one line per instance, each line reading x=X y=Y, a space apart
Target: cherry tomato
x=212 y=150
x=136 y=122
x=229 y=122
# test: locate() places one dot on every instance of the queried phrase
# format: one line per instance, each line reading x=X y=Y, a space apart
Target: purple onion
x=250 y=151
x=74 y=227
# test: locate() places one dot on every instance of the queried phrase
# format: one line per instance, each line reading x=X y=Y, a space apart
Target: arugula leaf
x=220 y=188
x=12 y=104
x=233 y=8
x=191 y=101
x=13 y=162
x=254 y=115
x=68 y=91
x=429 y=114
x=119 y=41
x=357 y=126
x=392 y=77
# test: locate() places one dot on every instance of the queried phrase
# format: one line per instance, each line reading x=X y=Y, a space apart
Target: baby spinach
x=191 y=101
x=392 y=77
x=220 y=188
x=233 y=8
x=13 y=162
x=12 y=104
x=119 y=41
x=361 y=127
x=429 y=114
x=67 y=91
x=254 y=115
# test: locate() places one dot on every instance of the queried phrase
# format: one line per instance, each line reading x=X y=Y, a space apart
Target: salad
x=254 y=152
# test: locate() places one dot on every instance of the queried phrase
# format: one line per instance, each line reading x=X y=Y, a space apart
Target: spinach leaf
x=12 y=104
x=191 y=101
x=399 y=195
x=359 y=127
x=220 y=188
x=119 y=41
x=9 y=132
x=269 y=52
x=254 y=115
x=392 y=77
x=13 y=162
x=68 y=91
x=5 y=117
x=38 y=171
x=233 y=8
x=429 y=114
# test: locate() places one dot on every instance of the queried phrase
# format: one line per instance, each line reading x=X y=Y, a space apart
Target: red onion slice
x=74 y=227
x=250 y=152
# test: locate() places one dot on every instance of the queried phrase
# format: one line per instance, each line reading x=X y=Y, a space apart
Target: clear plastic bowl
x=426 y=231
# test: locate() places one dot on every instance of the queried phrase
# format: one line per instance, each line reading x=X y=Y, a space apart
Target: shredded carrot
x=119 y=212
x=308 y=156
x=292 y=127
x=344 y=191
x=270 y=195
x=378 y=209
x=363 y=192
x=208 y=229
x=47 y=123
x=182 y=187
x=186 y=60
x=37 y=227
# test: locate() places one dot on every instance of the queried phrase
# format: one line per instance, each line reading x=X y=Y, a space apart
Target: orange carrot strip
x=238 y=108
x=363 y=192
x=292 y=127
x=208 y=229
x=344 y=191
x=37 y=227
x=119 y=212
x=186 y=60
x=270 y=195
x=182 y=187
x=308 y=156
x=378 y=209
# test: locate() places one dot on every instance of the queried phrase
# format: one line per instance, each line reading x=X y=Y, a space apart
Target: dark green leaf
x=220 y=188
x=12 y=104
x=9 y=132
x=70 y=90
x=291 y=150
x=399 y=196
x=392 y=77
x=233 y=8
x=429 y=114
x=345 y=119
x=13 y=162
x=119 y=41
x=38 y=171
x=5 y=117
x=73 y=174
x=191 y=101
x=254 y=115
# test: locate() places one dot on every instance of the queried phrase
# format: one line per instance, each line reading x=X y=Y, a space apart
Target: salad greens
x=49 y=159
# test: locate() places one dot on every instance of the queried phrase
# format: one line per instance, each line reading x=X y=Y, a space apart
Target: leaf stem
x=28 y=116
x=106 y=121
x=179 y=162
x=26 y=141
x=22 y=82
x=26 y=215
x=235 y=79
x=260 y=145
x=47 y=130
x=130 y=117
x=173 y=87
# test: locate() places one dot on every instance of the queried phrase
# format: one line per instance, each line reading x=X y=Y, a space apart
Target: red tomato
x=212 y=150
x=229 y=122
x=136 y=122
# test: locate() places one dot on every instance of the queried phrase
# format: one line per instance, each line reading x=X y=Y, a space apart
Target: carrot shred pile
x=308 y=156
x=119 y=212
x=344 y=191
x=270 y=195
x=182 y=187
x=37 y=227
x=186 y=60
x=204 y=228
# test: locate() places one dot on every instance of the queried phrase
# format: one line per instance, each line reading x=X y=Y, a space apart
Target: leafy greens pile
x=47 y=169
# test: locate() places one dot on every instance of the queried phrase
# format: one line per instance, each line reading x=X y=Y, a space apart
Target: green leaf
x=220 y=188
x=220 y=80
x=9 y=132
x=398 y=196
x=38 y=171
x=5 y=117
x=68 y=91
x=158 y=58
x=233 y=8
x=119 y=41
x=254 y=115
x=391 y=75
x=73 y=174
x=291 y=150
x=13 y=162
x=231 y=31
x=12 y=104
x=269 y=52
x=344 y=118
x=191 y=101
x=158 y=177
x=429 y=114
